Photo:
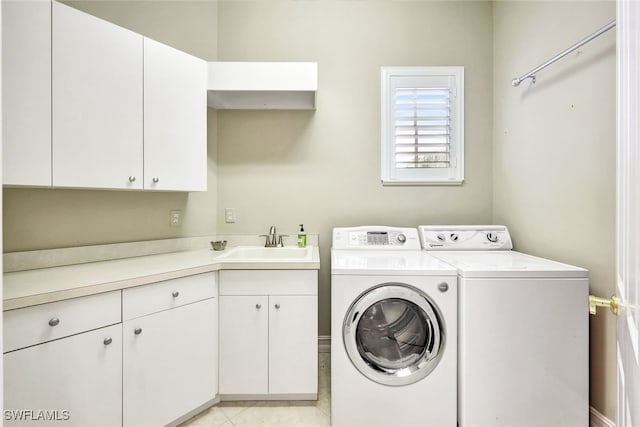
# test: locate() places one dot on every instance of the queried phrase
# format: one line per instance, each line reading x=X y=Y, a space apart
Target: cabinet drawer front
x=28 y=326
x=143 y=300
x=269 y=282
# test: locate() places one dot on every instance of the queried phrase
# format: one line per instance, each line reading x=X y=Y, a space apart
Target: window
x=422 y=125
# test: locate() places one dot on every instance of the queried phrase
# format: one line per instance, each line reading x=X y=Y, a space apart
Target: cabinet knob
x=258 y=306
x=132 y=178
x=107 y=341
x=137 y=331
x=155 y=179
x=277 y=306
x=175 y=294
x=54 y=322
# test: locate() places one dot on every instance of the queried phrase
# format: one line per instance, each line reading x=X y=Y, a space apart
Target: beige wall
x=39 y=219
x=554 y=152
x=322 y=168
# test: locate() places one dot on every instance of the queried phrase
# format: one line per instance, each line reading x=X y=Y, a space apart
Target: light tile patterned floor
x=274 y=413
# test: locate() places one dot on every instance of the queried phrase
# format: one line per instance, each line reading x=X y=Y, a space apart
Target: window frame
x=392 y=77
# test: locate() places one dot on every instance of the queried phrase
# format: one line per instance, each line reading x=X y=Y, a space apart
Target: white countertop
x=31 y=287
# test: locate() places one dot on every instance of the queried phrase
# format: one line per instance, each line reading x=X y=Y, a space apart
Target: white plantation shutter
x=422 y=134
x=422 y=126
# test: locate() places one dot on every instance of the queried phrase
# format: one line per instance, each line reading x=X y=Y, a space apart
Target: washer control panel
x=376 y=237
x=465 y=237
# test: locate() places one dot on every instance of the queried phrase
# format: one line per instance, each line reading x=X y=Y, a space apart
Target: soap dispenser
x=302 y=237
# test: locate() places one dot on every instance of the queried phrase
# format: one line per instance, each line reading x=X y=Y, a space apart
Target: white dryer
x=394 y=331
x=523 y=331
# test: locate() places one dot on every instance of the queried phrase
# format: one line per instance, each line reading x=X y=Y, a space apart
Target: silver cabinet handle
x=258 y=306
x=107 y=341
x=137 y=331
x=54 y=322
x=155 y=179
x=277 y=306
x=132 y=178
x=175 y=294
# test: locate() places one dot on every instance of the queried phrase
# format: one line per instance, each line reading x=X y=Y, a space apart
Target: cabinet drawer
x=143 y=300
x=28 y=326
x=268 y=282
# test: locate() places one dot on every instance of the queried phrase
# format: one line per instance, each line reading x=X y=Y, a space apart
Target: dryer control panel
x=376 y=237
x=465 y=237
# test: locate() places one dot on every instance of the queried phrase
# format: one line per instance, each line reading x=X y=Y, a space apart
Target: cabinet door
x=26 y=92
x=244 y=345
x=293 y=344
x=175 y=119
x=170 y=365
x=97 y=102
x=75 y=381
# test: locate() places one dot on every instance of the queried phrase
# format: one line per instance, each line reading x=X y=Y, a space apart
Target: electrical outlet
x=229 y=215
x=175 y=218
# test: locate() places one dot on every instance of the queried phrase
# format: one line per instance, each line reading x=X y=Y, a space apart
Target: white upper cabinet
x=263 y=85
x=26 y=96
x=175 y=119
x=97 y=102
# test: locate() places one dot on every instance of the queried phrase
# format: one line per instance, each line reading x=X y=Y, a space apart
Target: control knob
x=453 y=237
x=441 y=237
x=401 y=238
x=492 y=237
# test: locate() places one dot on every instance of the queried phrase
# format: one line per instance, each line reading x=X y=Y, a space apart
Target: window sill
x=423 y=183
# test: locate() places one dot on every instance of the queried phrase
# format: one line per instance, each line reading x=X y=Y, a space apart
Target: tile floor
x=274 y=413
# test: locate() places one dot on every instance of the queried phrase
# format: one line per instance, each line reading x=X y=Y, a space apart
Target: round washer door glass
x=394 y=334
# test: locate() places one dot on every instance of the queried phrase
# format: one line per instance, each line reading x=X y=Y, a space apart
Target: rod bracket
x=516 y=81
x=612 y=303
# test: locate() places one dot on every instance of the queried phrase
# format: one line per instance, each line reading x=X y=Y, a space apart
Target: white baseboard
x=324 y=344
x=596 y=419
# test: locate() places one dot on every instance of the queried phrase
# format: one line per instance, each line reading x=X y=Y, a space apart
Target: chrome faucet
x=272 y=239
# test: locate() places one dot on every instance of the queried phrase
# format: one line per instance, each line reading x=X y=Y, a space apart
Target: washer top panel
x=389 y=262
x=507 y=264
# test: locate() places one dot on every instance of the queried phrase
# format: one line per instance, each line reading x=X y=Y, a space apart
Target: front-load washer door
x=394 y=334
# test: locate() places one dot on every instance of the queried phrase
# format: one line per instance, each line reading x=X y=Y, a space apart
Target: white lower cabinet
x=148 y=355
x=144 y=356
x=73 y=381
x=244 y=344
x=63 y=363
x=293 y=344
x=268 y=334
x=170 y=357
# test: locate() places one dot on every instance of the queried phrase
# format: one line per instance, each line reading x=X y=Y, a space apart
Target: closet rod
x=531 y=74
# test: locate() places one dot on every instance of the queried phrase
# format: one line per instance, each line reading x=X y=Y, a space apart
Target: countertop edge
x=140 y=280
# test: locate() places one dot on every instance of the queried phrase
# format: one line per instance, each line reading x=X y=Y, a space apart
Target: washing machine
x=523 y=331
x=393 y=331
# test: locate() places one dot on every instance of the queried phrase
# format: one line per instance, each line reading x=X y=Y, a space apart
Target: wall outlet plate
x=229 y=215
x=175 y=218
